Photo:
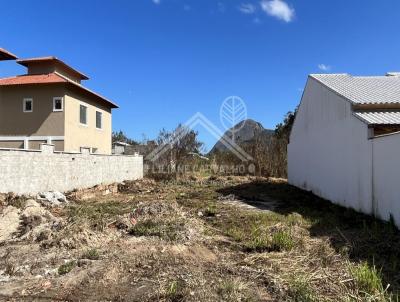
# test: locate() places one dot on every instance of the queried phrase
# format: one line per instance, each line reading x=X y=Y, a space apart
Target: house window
x=83 y=114
x=28 y=105
x=99 y=122
x=58 y=104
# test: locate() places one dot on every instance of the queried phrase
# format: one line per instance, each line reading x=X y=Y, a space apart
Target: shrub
x=66 y=268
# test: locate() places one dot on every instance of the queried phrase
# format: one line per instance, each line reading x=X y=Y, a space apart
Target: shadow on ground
x=362 y=237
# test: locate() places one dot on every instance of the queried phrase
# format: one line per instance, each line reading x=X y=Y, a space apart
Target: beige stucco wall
x=50 y=67
x=58 y=145
x=41 y=122
x=35 y=145
x=77 y=135
x=44 y=122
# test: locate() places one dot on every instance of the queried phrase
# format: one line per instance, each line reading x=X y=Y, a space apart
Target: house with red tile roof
x=49 y=104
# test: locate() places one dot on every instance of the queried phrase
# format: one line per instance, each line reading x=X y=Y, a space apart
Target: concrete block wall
x=30 y=172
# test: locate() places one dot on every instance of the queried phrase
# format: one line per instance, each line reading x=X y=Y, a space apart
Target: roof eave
x=74 y=84
x=6 y=55
x=27 y=62
x=110 y=103
x=312 y=76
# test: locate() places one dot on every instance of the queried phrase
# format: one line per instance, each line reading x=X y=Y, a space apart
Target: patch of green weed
x=167 y=230
x=301 y=291
x=367 y=278
x=92 y=254
x=66 y=267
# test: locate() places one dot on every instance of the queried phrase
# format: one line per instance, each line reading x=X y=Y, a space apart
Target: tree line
x=183 y=148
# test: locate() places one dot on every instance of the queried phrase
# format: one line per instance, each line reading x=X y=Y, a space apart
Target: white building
x=345 y=142
x=119 y=148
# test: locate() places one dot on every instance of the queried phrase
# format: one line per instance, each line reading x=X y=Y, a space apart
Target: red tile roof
x=51 y=78
x=32 y=79
x=6 y=55
x=30 y=61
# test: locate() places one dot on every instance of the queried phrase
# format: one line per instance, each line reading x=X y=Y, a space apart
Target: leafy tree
x=282 y=130
x=120 y=136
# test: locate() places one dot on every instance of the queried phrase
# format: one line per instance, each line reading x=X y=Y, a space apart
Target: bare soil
x=208 y=239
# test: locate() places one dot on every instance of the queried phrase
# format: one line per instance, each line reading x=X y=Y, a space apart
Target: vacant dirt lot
x=211 y=239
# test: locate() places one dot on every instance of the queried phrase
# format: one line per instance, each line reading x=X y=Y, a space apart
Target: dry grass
x=236 y=290
x=174 y=241
x=91 y=254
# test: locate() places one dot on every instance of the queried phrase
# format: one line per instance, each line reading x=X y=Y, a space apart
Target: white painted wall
x=329 y=151
x=386 y=182
x=30 y=172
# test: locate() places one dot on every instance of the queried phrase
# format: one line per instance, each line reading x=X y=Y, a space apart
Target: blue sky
x=164 y=60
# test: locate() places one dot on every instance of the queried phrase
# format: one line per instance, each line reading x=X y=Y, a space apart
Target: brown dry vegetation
x=198 y=240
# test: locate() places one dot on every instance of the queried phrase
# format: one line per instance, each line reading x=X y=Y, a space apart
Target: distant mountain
x=245 y=132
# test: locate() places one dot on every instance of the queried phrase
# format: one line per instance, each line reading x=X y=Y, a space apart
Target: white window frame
x=87 y=115
x=101 y=120
x=25 y=100
x=54 y=104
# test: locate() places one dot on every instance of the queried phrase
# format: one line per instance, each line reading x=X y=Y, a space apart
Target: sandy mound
x=9 y=223
x=33 y=222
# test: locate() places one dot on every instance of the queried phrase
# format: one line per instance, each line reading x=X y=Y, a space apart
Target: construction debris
x=96 y=191
x=139 y=186
x=52 y=198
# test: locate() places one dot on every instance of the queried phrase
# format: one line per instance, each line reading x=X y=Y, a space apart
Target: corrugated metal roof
x=379 y=118
x=363 y=90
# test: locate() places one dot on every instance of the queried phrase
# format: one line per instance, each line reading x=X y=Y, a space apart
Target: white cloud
x=247 y=8
x=156 y=1
x=278 y=8
x=324 y=67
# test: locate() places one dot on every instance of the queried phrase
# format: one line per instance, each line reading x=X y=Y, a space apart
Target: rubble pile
x=52 y=198
x=32 y=221
x=99 y=190
x=145 y=185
